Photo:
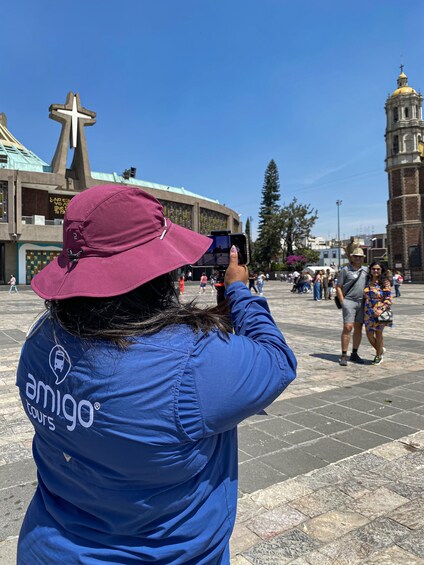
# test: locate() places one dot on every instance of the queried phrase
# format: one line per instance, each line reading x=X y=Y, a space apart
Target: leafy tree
x=295 y=222
x=312 y=255
x=268 y=243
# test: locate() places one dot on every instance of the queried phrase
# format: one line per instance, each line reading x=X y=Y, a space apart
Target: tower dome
x=403 y=87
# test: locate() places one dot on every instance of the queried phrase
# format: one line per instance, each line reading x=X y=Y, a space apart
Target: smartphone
x=218 y=254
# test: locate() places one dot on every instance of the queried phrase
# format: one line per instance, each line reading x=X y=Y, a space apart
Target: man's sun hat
x=358 y=252
x=115 y=238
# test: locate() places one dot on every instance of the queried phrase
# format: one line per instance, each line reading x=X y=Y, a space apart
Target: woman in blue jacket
x=135 y=397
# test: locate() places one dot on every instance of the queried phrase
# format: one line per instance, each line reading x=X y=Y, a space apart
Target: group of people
x=322 y=284
x=364 y=293
x=257 y=282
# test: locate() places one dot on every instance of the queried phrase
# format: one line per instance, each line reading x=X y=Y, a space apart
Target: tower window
x=406 y=112
x=396 y=144
x=395 y=114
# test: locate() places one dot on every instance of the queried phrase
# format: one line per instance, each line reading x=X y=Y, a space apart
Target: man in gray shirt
x=350 y=291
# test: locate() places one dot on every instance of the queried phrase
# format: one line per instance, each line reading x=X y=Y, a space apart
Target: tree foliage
x=268 y=243
x=296 y=222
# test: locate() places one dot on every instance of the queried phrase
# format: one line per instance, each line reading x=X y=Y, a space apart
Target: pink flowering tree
x=296 y=262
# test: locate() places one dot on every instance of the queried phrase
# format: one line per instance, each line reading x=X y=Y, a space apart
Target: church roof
x=403 y=87
x=14 y=155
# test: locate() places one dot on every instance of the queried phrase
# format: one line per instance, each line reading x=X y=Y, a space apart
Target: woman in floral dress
x=378 y=297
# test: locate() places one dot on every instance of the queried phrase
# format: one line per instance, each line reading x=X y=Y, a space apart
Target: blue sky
x=202 y=94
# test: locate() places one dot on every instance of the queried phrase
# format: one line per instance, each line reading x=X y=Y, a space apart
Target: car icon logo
x=60 y=363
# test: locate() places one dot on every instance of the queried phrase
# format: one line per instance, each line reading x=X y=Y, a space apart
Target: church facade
x=34 y=194
x=405 y=169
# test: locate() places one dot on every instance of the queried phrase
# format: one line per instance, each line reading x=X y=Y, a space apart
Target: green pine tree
x=268 y=243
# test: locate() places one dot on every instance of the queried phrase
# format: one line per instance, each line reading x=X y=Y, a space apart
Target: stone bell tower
x=405 y=168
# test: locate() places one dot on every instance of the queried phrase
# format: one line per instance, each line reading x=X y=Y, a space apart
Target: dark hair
x=382 y=277
x=142 y=311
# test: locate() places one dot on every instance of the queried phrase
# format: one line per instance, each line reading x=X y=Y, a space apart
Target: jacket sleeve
x=230 y=378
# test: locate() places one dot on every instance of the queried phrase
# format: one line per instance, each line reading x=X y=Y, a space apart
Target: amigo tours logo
x=60 y=363
x=45 y=403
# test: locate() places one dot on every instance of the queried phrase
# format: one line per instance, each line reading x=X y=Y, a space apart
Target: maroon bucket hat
x=115 y=238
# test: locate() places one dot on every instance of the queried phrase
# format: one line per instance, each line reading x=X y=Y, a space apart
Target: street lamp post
x=338 y=203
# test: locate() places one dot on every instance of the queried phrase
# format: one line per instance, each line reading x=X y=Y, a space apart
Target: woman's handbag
x=385 y=317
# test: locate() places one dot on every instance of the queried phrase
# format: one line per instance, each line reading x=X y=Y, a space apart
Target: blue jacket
x=136 y=450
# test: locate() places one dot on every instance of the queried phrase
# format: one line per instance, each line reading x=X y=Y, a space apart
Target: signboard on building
x=58 y=205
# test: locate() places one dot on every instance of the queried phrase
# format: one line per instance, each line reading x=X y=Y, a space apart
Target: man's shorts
x=353 y=311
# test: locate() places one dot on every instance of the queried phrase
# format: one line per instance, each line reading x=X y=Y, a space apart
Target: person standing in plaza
x=350 y=292
x=330 y=282
x=317 y=286
x=12 y=283
x=378 y=297
x=181 y=283
x=397 y=281
x=324 y=289
x=135 y=398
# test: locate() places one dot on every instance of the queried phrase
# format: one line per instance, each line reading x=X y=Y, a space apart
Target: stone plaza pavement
x=330 y=473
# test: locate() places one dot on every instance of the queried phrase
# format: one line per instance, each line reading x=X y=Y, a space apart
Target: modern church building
x=405 y=168
x=34 y=194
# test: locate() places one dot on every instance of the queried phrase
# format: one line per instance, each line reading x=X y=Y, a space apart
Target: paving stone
x=406 y=392
x=320 y=501
x=394 y=556
x=283 y=408
x=414 y=543
x=239 y=560
x=409 y=419
x=381 y=533
x=242 y=539
x=281 y=549
x=276 y=521
x=345 y=414
x=279 y=428
x=394 y=401
x=330 y=449
x=346 y=550
x=302 y=436
x=331 y=525
x=276 y=495
x=403 y=467
x=389 y=429
x=363 y=462
x=406 y=490
x=318 y=422
x=353 y=488
x=410 y=514
x=360 y=438
x=255 y=475
x=293 y=462
x=242 y=456
x=390 y=451
x=310 y=401
x=255 y=443
x=247 y=509
x=376 y=503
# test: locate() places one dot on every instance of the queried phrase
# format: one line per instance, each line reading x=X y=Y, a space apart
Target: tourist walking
x=203 y=283
x=12 y=283
x=350 y=293
x=181 y=283
x=378 y=298
x=261 y=282
x=252 y=281
x=135 y=398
